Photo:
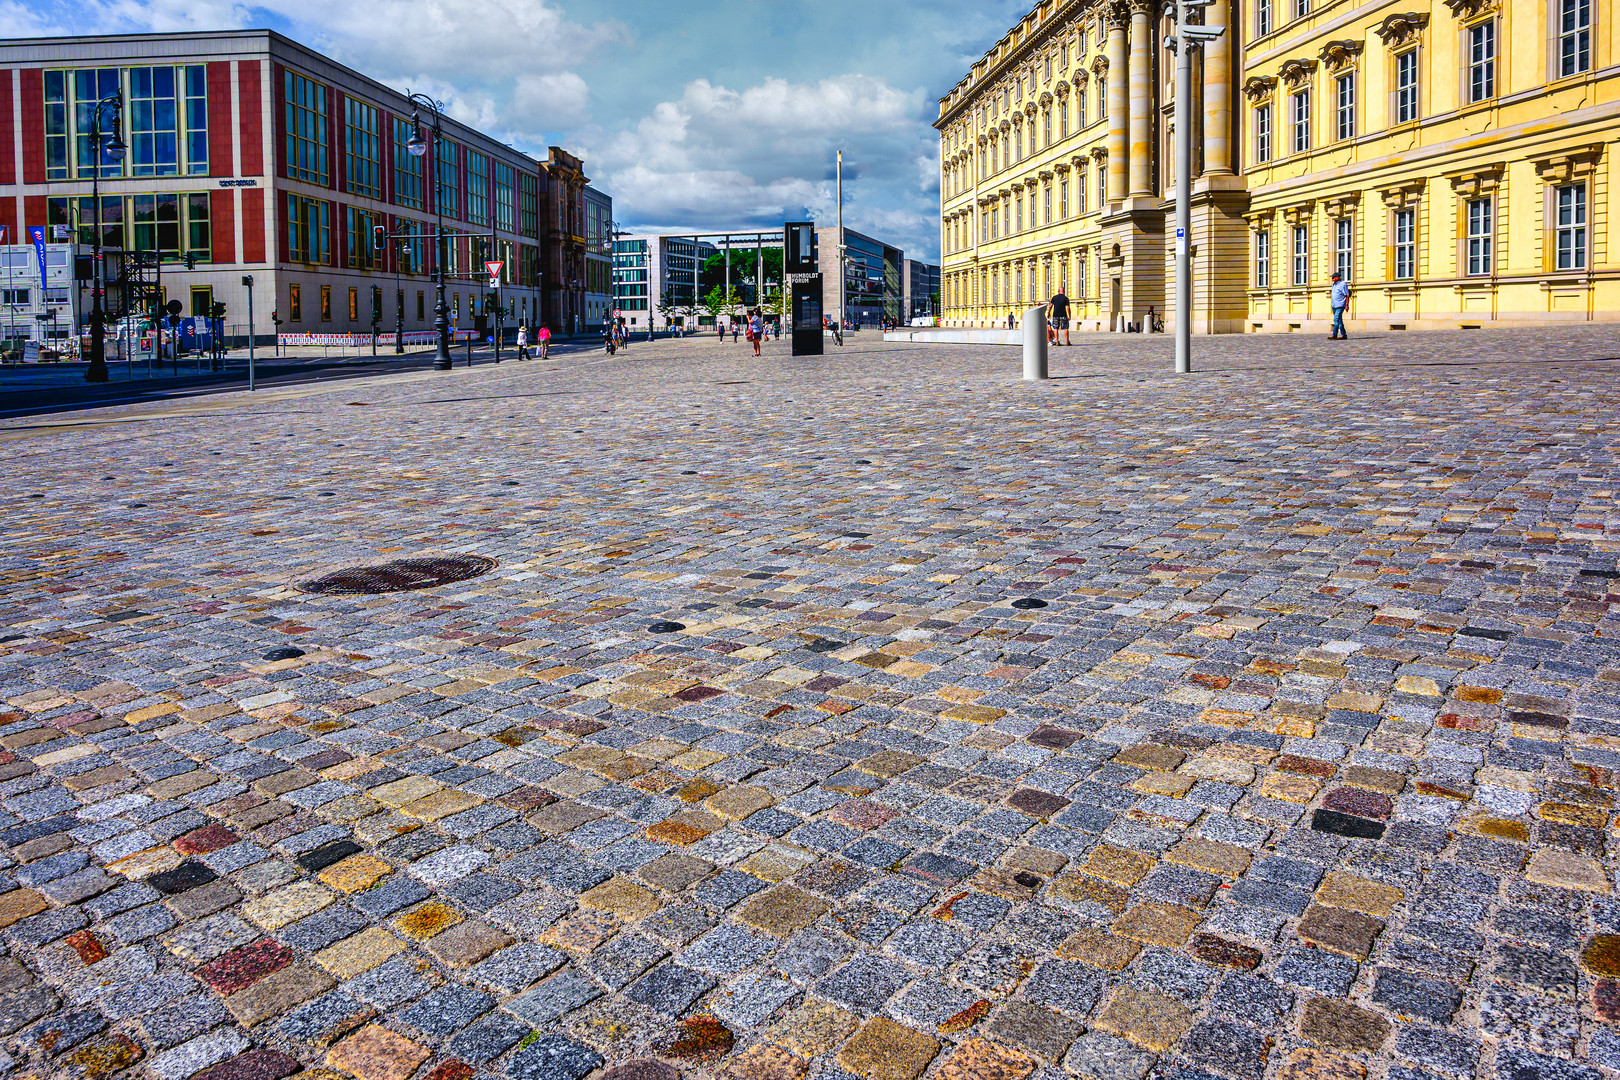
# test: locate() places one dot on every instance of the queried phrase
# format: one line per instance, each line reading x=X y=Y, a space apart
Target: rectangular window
x=1080 y=177
x=1080 y=275
x=1570 y=206
x=477 y=188
x=326 y=303
x=196 y=76
x=1262 y=18
x=90 y=86
x=362 y=149
x=1079 y=108
x=309 y=230
x=154 y=118
x=362 y=253
x=1262 y=133
x=295 y=304
x=421 y=305
x=407 y=168
x=1063 y=195
x=1102 y=185
x=1302 y=255
x=157 y=224
x=56 y=125
x=1302 y=8
x=1300 y=107
x=444 y=188
x=1020 y=212
x=1344 y=120
x=1574 y=36
x=1406 y=87
x=1344 y=247
x=1482 y=61
x=1047 y=195
x=1481 y=231
x=505 y=197
x=1405 y=245
x=354 y=304
x=199 y=235
x=1262 y=260
x=306 y=129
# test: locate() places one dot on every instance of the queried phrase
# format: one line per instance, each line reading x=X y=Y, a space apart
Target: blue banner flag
x=36 y=233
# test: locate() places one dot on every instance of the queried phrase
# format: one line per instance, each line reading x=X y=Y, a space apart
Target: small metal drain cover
x=663 y=627
x=286 y=652
x=400 y=575
x=1027 y=603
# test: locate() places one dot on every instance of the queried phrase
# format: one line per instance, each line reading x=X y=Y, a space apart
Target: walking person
x=545 y=341
x=1339 y=301
x=756 y=329
x=734 y=330
x=523 y=343
x=1060 y=316
x=720 y=330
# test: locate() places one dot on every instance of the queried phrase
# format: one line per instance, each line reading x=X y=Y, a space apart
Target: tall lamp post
x=1186 y=38
x=113 y=148
x=418 y=147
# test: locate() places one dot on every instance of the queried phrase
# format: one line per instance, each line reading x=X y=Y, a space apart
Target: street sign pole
x=247 y=279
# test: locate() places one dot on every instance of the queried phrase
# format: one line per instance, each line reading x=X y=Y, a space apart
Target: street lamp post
x=399 y=297
x=1187 y=38
x=114 y=149
x=418 y=147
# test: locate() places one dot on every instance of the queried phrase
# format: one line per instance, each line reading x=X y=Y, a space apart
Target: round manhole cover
x=399 y=576
x=1028 y=603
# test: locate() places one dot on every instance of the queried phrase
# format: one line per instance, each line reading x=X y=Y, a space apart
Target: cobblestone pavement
x=1257 y=723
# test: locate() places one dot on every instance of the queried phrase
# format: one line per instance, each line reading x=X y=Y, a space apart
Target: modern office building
x=655 y=279
x=598 y=258
x=920 y=287
x=253 y=154
x=1452 y=158
x=873 y=273
x=37 y=307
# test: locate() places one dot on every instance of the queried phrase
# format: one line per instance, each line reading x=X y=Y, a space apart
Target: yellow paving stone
x=355 y=873
x=152 y=712
x=143 y=864
x=776 y=862
x=1156 y=923
x=1355 y=701
x=1121 y=866
x=1249 y=755
x=696 y=760
x=1210 y=856
x=1343 y=890
x=440 y=804
x=739 y=802
x=1592 y=817
x=1151 y=1021
x=658 y=749
x=360 y=953
x=399 y=792
x=1221 y=770
x=1566 y=870
x=974 y=714
x=1290 y=787
x=288 y=904
x=1497 y=828
x=1162 y=783
x=1417 y=684
x=960 y=695
x=1099 y=948
x=428 y=919
x=622 y=897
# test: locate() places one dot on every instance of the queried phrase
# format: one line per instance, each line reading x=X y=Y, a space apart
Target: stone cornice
x=1472 y=183
x=1572 y=164
x=1401 y=28
x=1296 y=73
x=1463 y=10
x=1405 y=195
x=1258 y=88
x=1339 y=55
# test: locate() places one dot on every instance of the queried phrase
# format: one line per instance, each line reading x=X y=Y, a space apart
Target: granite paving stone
x=1304 y=772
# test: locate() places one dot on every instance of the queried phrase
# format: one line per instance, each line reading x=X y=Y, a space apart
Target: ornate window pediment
x=1341 y=55
x=1260 y=220
x=1481 y=180
x=1464 y=10
x=1342 y=206
x=1404 y=195
x=1299 y=215
x=1258 y=88
x=1570 y=165
x=1099 y=153
x=1099 y=66
x=1402 y=28
x=1297 y=73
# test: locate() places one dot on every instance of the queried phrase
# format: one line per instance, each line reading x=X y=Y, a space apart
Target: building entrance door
x=1115 y=290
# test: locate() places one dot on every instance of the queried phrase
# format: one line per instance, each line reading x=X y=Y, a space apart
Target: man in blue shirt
x=1339 y=300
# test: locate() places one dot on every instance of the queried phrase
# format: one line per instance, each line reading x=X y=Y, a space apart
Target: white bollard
x=1035 y=342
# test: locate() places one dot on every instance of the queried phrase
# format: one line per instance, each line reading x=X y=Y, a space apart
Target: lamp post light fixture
x=418 y=147
x=111 y=145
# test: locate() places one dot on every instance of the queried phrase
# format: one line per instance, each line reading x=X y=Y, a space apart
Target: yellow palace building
x=1451 y=158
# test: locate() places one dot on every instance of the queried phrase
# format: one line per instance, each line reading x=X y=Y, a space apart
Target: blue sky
x=693 y=116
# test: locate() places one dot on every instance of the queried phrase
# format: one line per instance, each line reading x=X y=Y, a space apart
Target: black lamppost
x=399 y=297
x=113 y=149
x=418 y=147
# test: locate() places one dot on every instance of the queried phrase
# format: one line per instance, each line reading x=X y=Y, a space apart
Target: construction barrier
x=356 y=341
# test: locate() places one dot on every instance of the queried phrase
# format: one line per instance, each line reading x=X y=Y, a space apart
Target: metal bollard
x=1035 y=342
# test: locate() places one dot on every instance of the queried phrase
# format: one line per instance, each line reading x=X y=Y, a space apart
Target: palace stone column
x=1141 y=89
x=1118 y=104
x=1218 y=92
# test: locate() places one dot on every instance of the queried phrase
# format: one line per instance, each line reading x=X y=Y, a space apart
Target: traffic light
x=376 y=305
x=218 y=311
x=379 y=237
x=191 y=261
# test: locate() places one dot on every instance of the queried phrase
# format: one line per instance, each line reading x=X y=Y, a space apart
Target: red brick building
x=254 y=154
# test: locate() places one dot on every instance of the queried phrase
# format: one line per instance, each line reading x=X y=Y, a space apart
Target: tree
x=666 y=305
x=714 y=302
x=743 y=261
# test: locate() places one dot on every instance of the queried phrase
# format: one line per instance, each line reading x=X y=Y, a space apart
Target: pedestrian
x=720 y=330
x=1011 y=324
x=545 y=341
x=1339 y=301
x=734 y=330
x=1060 y=316
x=756 y=329
x=523 y=343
